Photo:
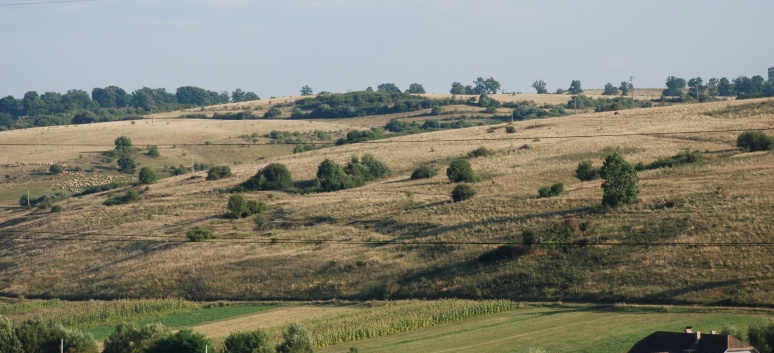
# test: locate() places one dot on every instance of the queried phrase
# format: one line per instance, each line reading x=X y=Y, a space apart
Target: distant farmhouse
x=691 y=342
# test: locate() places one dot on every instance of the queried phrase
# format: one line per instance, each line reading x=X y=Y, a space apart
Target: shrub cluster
x=147 y=175
x=56 y=169
x=198 y=234
x=552 y=190
x=44 y=201
x=239 y=206
x=621 y=182
x=501 y=253
x=33 y=335
x=462 y=192
x=130 y=196
x=424 y=172
x=332 y=177
x=751 y=141
x=686 y=157
x=586 y=171
x=274 y=176
x=219 y=172
x=480 y=152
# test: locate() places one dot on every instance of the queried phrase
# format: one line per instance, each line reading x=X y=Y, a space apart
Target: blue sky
x=275 y=47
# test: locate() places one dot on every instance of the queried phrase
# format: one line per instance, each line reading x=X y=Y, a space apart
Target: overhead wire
x=43 y=2
x=103 y=237
x=393 y=141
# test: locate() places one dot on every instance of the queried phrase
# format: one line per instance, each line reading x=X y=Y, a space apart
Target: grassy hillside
x=139 y=249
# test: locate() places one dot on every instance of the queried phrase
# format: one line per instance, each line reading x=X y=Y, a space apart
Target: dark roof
x=677 y=342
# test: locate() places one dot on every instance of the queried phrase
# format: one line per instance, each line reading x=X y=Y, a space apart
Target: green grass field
x=555 y=329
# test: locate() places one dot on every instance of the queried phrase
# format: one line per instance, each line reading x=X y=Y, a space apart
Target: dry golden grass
x=722 y=199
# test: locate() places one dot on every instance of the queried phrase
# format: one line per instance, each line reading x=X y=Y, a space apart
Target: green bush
x=74 y=340
x=184 y=341
x=56 y=169
x=480 y=152
x=331 y=177
x=219 y=172
x=510 y=129
x=751 y=141
x=274 y=176
x=761 y=335
x=237 y=206
x=128 y=338
x=528 y=237
x=367 y=169
x=272 y=113
x=130 y=196
x=198 y=234
x=9 y=343
x=553 y=190
x=296 y=340
x=248 y=342
x=147 y=175
x=127 y=164
x=620 y=185
x=462 y=192
x=460 y=171
x=256 y=207
x=424 y=172
x=153 y=151
x=586 y=171
x=686 y=157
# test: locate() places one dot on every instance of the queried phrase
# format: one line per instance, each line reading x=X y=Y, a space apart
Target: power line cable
x=44 y=2
x=405 y=141
x=163 y=239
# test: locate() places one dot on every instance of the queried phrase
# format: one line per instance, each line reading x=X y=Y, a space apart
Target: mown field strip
x=556 y=330
x=277 y=317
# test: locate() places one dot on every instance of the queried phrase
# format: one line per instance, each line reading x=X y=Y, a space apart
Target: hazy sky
x=275 y=47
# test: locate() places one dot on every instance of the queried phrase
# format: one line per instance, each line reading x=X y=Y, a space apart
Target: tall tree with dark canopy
x=674 y=86
x=306 y=90
x=457 y=88
x=416 y=88
x=540 y=87
x=575 y=87
x=387 y=87
x=620 y=185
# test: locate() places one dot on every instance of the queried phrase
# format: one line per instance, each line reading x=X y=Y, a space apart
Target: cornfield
x=396 y=317
x=76 y=314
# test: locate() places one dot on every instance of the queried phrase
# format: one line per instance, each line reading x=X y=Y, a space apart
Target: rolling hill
x=403 y=238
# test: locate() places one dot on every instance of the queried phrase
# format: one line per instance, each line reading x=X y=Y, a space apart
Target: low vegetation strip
x=395 y=317
x=79 y=314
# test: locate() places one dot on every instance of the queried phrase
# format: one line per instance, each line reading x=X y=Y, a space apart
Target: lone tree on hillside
x=540 y=87
x=620 y=185
x=306 y=90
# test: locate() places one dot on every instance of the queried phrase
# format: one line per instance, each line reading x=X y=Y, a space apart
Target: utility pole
x=631 y=86
x=61 y=346
x=575 y=101
x=192 y=164
x=28 y=198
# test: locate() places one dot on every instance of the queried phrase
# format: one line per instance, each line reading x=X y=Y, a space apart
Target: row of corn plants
x=78 y=314
x=396 y=317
